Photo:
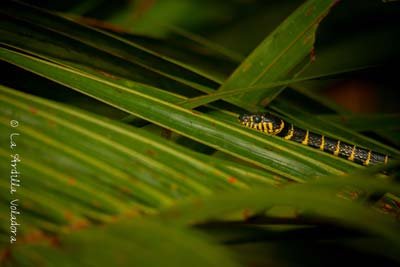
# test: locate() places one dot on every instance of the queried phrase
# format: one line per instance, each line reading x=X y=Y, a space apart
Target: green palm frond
x=98 y=186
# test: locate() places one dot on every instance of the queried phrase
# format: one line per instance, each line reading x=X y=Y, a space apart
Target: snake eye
x=257 y=119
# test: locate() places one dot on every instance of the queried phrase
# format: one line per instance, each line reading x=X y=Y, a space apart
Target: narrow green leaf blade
x=272 y=155
x=126 y=243
x=280 y=52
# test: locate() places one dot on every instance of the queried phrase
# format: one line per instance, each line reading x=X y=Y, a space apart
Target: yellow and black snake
x=271 y=124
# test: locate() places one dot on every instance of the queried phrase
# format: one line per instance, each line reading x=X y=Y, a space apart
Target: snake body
x=274 y=125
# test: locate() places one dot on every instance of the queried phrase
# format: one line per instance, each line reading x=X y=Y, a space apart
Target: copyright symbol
x=14 y=123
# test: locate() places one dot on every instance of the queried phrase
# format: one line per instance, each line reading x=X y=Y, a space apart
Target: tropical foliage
x=126 y=149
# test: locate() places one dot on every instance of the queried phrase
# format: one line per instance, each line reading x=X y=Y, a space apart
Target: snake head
x=244 y=118
x=265 y=122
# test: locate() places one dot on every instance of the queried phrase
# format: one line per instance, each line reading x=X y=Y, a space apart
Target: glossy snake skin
x=274 y=125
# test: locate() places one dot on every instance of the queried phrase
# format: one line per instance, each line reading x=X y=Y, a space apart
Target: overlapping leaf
x=281 y=52
x=231 y=138
x=103 y=168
